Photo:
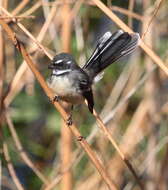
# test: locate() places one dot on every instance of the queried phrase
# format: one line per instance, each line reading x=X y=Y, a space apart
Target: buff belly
x=62 y=87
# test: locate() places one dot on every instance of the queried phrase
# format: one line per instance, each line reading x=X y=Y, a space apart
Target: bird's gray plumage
x=74 y=84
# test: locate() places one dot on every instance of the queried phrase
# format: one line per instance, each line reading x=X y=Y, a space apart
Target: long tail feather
x=109 y=49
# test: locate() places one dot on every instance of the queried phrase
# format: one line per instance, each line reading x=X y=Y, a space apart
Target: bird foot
x=55 y=99
x=80 y=138
x=69 y=121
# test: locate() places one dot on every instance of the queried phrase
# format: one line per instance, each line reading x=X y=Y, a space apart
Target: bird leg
x=69 y=120
x=55 y=99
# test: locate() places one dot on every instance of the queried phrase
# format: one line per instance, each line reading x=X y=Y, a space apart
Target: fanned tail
x=109 y=49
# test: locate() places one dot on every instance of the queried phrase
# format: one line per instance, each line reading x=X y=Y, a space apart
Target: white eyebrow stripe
x=59 y=61
x=59 y=72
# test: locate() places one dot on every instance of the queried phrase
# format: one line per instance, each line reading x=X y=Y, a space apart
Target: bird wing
x=86 y=90
x=88 y=95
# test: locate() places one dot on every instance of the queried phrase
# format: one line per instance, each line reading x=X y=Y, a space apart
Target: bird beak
x=51 y=66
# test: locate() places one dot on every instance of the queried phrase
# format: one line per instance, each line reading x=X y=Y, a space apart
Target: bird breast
x=64 y=88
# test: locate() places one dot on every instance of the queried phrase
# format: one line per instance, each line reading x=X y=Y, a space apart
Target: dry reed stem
x=127 y=12
x=32 y=9
x=130 y=8
x=123 y=26
x=76 y=9
x=54 y=182
x=16 y=17
x=151 y=90
x=11 y=168
x=66 y=135
x=79 y=40
x=20 y=7
x=63 y=113
x=2 y=61
x=152 y=18
x=50 y=16
x=21 y=151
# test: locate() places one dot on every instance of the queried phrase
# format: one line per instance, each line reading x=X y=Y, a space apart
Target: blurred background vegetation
x=131 y=98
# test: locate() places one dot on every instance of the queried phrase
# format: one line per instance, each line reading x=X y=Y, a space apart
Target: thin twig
x=11 y=168
x=20 y=7
x=127 y=12
x=32 y=9
x=21 y=151
x=16 y=17
x=50 y=15
x=152 y=18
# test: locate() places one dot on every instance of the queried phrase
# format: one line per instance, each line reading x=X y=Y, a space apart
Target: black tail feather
x=110 y=48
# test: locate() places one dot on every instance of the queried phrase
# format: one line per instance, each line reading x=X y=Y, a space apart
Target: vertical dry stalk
x=66 y=136
x=66 y=26
x=150 y=20
x=2 y=59
x=151 y=89
x=50 y=14
x=3 y=3
x=130 y=7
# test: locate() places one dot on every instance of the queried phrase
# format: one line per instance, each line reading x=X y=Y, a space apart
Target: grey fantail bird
x=73 y=84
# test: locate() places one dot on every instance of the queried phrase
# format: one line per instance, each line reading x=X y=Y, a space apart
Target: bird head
x=62 y=63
